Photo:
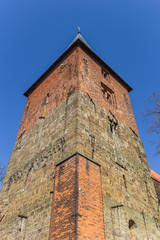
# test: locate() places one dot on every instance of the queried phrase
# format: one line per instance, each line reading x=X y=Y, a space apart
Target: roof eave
x=111 y=71
x=42 y=77
x=78 y=42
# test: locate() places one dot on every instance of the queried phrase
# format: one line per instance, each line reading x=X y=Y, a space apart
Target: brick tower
x=78 y=169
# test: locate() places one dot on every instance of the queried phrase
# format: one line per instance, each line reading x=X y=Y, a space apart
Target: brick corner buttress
x=77 y=211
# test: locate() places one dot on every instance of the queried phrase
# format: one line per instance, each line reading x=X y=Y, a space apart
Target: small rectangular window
x=108 y=94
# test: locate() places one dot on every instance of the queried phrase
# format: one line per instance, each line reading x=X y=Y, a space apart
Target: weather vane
x=79 y=30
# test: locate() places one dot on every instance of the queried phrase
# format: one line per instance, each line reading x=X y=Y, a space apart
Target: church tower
x=78 y=169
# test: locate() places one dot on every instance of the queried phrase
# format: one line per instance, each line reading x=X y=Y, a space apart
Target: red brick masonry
x=77 y=211
x=77 y=72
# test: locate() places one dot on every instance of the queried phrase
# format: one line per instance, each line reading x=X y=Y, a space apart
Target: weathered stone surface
x=75 y=118
x=30 y=174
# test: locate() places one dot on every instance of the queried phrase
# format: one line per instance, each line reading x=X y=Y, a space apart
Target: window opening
x=132 y=224
x=111 y=127
x=44 y=104
x=124 y=179
x=112 y=122
x=108 y=94
x=21 y=224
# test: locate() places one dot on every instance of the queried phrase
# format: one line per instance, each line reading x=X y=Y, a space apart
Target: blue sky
x=124 y=33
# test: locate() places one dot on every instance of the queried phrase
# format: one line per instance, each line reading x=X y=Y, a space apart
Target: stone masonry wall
x=124 y=173
x=79 y=122
x=28 y=184
x=127 y=188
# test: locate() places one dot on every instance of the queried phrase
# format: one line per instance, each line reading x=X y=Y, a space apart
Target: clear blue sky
x=34 y=33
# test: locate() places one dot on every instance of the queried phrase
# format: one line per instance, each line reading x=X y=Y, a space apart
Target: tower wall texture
x=72 y=138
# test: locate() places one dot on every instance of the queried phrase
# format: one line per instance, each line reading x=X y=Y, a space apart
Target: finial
x=79 y=30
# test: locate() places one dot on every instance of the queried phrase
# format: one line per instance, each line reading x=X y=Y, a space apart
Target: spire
x=79 y=37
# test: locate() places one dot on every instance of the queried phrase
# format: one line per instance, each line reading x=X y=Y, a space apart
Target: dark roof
x=79 y=36
x=78 y=41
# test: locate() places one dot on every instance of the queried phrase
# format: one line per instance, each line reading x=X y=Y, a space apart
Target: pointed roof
x=79 y=37
x=78 y=41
